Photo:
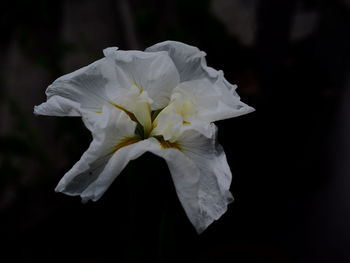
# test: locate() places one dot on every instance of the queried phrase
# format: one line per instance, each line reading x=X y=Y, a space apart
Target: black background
x=289 y=158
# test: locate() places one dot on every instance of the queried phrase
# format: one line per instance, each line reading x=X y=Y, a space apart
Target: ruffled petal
x=170 y=124
x=192 y=66
x=84 y=89
x=189 y=60
x=114 y=166
x=115 y=131
x=201 y=176
x=213 y=101
x=154 y=73
x=186 y=177
x=215 y=176
x=58 y=106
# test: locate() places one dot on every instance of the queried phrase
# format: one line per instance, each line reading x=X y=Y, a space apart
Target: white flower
x=164 y=101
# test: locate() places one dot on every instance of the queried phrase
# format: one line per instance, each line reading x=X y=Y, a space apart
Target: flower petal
x=154 y=73
x=115 y=165
x=167 y=124
x=170 y=124
x=83 y=89
x=213 y=101
x=186 y=178
x=58 y=106
x=116 y=127
x=189 y=60
x=215 y=176
x=201 y=176
x=191 y=64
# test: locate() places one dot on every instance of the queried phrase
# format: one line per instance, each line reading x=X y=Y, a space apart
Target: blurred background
x=290 y=158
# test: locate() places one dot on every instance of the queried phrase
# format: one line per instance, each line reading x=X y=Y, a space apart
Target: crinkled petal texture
x=154 y=73
x=111 y=80
x=202 y=178
x=162 y=101
x=116 y=131
x=192 y=67
x=82 y=90
x=198 y=167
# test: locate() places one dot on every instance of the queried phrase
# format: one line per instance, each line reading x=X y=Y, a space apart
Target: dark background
x=289 y=159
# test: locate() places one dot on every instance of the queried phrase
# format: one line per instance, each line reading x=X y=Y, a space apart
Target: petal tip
x=35 y=110
x=59 y=188
x=250 y=109
x=38 y=109
x=109 y=51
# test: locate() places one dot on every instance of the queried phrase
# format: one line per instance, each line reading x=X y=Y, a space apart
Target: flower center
x=137 y=105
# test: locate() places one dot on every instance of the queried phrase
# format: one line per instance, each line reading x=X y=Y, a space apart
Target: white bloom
x=164 y=101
